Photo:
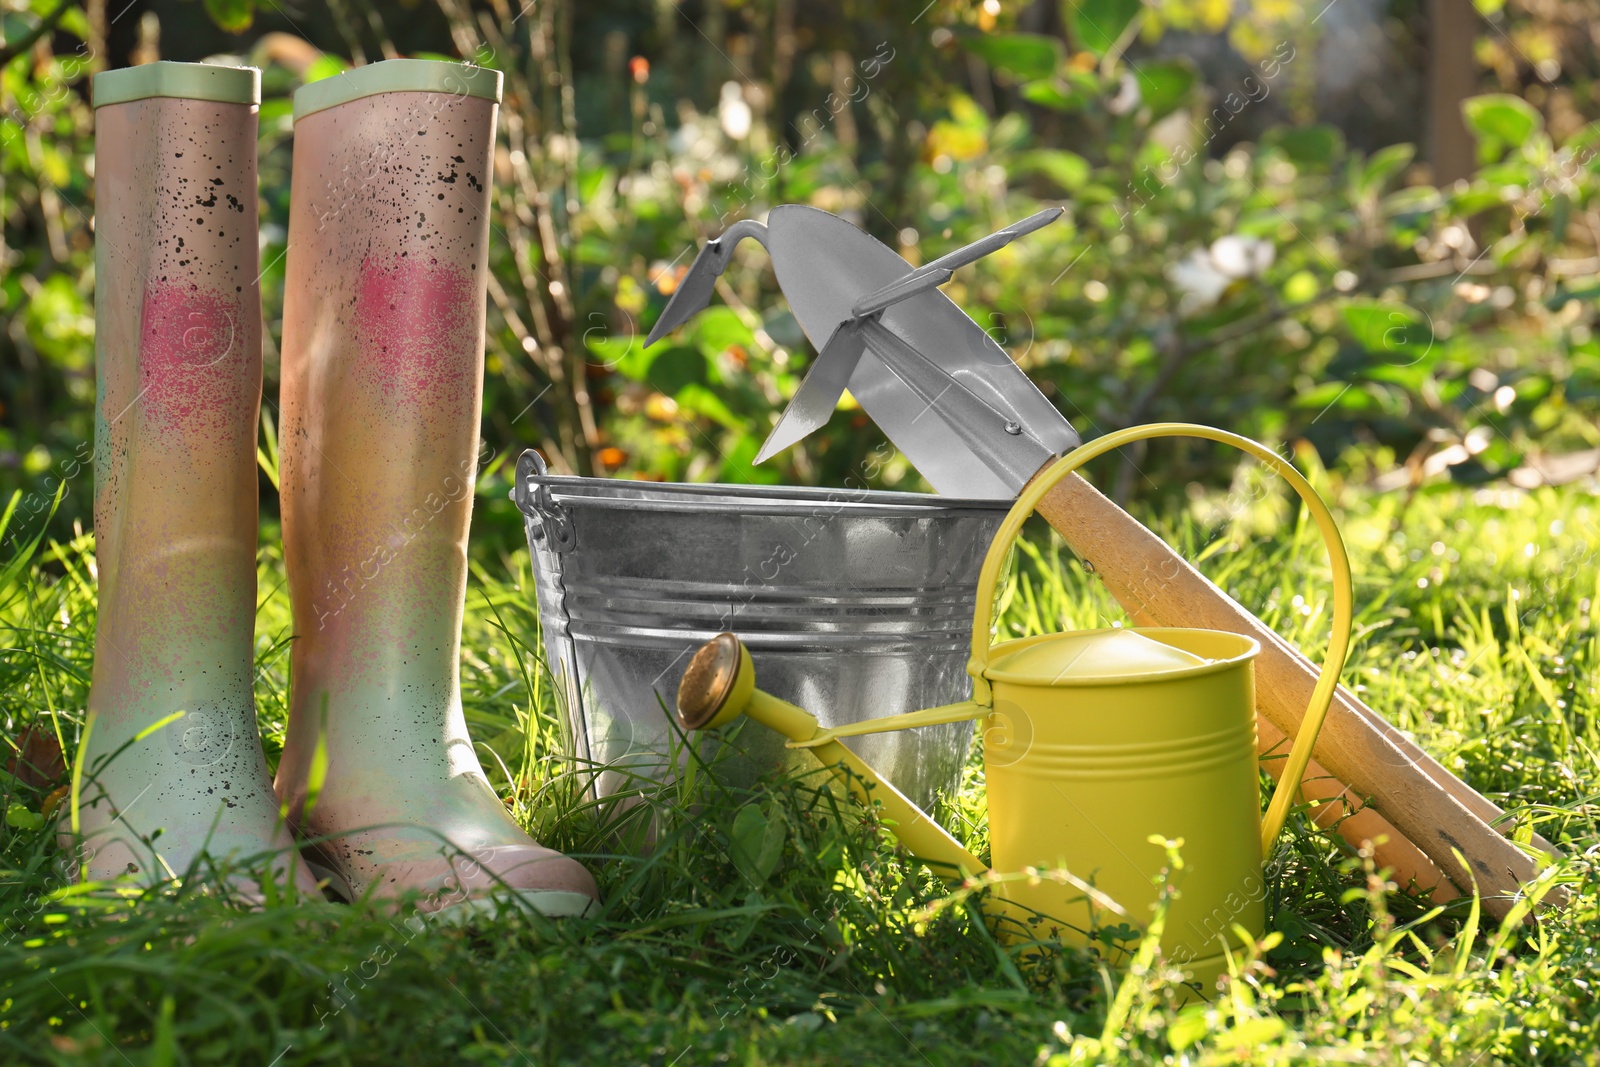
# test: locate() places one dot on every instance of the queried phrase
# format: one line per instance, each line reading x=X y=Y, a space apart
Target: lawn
x=1476 y=633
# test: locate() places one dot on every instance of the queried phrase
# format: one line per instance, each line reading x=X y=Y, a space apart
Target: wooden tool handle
x=1470 y=798
x=1485 y=809
x=1156 y=585
x=1358 y=823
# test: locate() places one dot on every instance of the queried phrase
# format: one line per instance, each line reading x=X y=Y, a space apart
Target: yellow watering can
x=1094 y=741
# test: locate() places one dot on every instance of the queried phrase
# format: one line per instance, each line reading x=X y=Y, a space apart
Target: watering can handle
x=1343 y=595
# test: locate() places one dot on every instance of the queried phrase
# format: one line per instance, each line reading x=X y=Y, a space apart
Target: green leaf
x=1384 y=164
x=1251 y=1033
x=76 y=22
x=1415 y=200
x=1501 y=118
x=756 y=842
x=1164 y=86
x=739 y=462
x=676 y=368
x=1347 y=396
x=60 y=323
x=1052 y=94
x=1397 y=333
x=275 y=111
x=1027 y=55
x=1314 y=146
x=1189 y=1027
x=1513 y=171
x=325 y=66
x=1474 y=199
x=1009 y=132
x=591 y=180
x=1067 y=169
x=1096 y=24
x=702 y=401
x=231 y=16
x=1411 y=377
x=625 y=355
x=20 y=818
x=718 y=328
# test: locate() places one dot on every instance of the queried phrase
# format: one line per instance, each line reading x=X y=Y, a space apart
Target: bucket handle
x=1343 y=594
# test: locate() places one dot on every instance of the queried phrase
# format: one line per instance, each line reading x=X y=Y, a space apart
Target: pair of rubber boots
x=382 y=367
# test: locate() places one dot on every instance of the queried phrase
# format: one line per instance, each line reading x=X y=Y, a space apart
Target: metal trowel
x=972 y=423
x=937 y=385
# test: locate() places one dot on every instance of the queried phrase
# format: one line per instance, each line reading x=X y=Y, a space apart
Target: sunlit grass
x=1476 y=635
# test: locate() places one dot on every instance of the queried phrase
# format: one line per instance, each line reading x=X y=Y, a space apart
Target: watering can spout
x=720 y=685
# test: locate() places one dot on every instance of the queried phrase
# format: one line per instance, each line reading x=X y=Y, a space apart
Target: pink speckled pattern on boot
x=178 y=368
x=382 y=385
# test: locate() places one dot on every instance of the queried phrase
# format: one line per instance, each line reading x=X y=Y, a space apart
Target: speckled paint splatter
x=417 y=325
x=191 y=348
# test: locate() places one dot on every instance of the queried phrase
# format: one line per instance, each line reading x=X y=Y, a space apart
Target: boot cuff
x=398 y=76
x=186 y=81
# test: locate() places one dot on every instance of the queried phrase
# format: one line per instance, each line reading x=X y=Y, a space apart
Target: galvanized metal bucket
x=857 y=603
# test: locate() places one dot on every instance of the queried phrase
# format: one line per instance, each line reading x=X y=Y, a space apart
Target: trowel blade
x=692 y=296
x=812 y=404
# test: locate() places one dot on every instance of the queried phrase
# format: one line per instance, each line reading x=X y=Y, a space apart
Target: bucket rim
x=700 y=497
x=1249 y=645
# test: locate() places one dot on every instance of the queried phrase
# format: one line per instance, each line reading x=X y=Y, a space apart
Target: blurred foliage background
x=1253 y=237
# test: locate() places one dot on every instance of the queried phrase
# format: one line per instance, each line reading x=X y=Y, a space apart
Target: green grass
x=1476 y=634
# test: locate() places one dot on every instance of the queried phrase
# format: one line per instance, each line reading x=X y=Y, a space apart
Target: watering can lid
x=1094 y=656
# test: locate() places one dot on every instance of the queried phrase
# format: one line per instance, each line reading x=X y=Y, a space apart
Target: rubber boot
x=382 y=387
x=178 y=381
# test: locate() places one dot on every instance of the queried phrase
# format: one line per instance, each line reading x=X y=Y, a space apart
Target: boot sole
x=551 y=903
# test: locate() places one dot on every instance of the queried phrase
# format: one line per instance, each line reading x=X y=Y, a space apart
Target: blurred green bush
x=1288 y=287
